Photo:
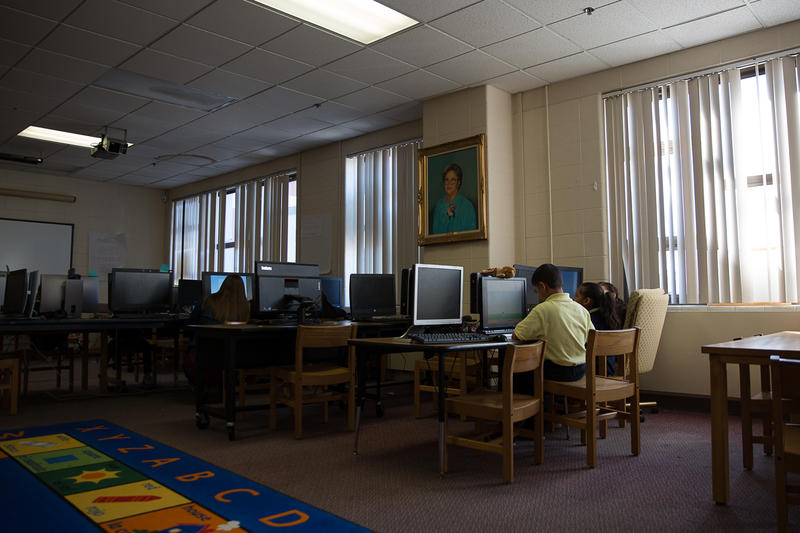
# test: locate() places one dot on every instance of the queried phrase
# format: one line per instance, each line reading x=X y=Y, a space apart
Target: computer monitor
x=190 y=294
x=332 y=289
x=52 y=294
x=138 y=290
x=502 y=304
x=91 y=287
x=16 y=292
x=406 y=284
x=572 y=277
x=372 y=295
x=33 y=289
x=438 y=294
x=212 y=281
x=282 y=287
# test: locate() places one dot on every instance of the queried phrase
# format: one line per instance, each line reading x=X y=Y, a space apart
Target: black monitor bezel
x=138 y=308
x=363 y=312
x=509 y=325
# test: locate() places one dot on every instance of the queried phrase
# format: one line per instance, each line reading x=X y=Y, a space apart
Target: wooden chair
x=304 y=383
x=603 y=397
x=786 y=403
x=9 y=381
x=758 y=405
x=458 y=371
x=505 y=408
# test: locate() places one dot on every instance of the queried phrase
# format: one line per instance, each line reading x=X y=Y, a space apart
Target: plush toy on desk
x=502 y=272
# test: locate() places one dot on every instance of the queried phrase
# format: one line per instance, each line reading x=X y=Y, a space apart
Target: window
x=232 y=228
x=701 y=185
x=380 y=216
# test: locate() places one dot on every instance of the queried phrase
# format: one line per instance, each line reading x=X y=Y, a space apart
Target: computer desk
x=378 y=347
x=86 y=326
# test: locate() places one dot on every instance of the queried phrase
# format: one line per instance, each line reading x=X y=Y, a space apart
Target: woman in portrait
x=453 y=211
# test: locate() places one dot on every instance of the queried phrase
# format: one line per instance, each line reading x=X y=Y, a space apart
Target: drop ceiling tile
x=24 y=81
x=485 y=23
x=176 y=181
x=90 y=115
x=23 y=27
x=405 y=112
x=104 y=98
x=311 y=45
x=471 y=68
x=74 y=156
x=326 y=85
x=175 y=9
x=331 y=112
x=419 y=85
x=167 y=113
x=44 y=8
x=141 y=129
x=215 y=152
x=88 y=46
x=266 y=66
x=606 y=25
x=120 y=21
x=134 y=178
x=11 y=52
x=61 y=66
x=516 y=82
x=294 y=125
x=234 y=118
x=670 y=12
x=714 y=28
x=548 y=11
x=229 y=84
x=636 y=48
x=369 y=66
x=425 y=10
x=243 y=21
x=422 y=46
x=31 y=147
x=372 y=123
x=29 y=101
x=371 y=100
x=200 y=46
x=165 y=66
x=532 y=48
x=335 y=133
x=251 y=139
x=173 y=143
x=56 y=121
x=164 y=169
x=567 y=67
x=279 y=101
x=776 y=12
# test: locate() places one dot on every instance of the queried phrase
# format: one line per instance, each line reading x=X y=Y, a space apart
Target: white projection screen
x=42 y=246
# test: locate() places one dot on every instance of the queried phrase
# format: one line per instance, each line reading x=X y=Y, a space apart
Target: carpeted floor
x=393 y=485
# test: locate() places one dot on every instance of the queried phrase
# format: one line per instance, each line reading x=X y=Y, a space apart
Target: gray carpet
x=393 y=485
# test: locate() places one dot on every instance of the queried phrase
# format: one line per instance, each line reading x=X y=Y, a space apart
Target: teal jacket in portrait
x=463 y=218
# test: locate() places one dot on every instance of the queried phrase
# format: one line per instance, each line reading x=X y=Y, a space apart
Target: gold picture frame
x=451 y=197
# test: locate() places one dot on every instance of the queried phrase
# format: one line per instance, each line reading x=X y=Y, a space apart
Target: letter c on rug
x=221 y=496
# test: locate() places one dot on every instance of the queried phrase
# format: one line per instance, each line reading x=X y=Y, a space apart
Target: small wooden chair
x=603 y=397
x=304 y=383
x=506 y=408
x=758 y=405
x=458 y=368
x=9 y=381
x=786 y=403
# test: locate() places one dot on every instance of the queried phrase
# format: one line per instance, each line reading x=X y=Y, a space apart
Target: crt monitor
x=281 y=287
x=212 y=281
x=16 y=292
x=502 y=304
x=438 y=294
x=138 y=290
x=372 y=295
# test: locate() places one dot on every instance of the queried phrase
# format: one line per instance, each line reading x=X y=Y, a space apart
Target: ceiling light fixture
x=63 y=137
x=365 y=21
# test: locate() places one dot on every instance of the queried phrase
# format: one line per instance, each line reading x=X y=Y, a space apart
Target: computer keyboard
x=457 y=337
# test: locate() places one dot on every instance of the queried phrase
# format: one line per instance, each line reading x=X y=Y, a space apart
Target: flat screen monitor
x=438 y=294
x=571 y=278
x=502 y=304
x=212 y=281
x=33 y=289
x=526 y=272
x=136 y=290
x=16 y=292
x=282 y=287
x=332 y=289
x=190 y=294
x=91 y=286
x=52 y=293
x=372 y=295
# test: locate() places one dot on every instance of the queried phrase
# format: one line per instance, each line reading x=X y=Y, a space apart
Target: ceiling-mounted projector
x=109 y=148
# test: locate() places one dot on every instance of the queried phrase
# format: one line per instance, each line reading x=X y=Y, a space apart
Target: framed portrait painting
x=452 y=192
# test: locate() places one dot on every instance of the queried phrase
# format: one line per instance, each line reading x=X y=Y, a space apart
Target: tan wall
x=136 y=212
x=571 y=112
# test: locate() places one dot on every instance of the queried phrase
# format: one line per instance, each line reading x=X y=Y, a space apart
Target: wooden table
x=747 y=351
x=366 y=348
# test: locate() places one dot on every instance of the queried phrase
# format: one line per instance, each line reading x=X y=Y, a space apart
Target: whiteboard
x=42 y=246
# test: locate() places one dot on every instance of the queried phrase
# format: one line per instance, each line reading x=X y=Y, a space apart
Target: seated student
x=602 y=309
x=563 y=323
x=619 y=304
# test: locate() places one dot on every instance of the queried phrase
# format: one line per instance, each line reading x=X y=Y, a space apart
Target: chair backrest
x=523 y=358
x=610 y=342
x=321 y=337
x=785 y=386
x=647 y=309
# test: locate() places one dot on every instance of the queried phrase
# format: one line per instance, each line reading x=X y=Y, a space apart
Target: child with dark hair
x=619 y=304
x=602 y=309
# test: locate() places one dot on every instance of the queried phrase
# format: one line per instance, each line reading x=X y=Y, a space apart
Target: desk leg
x=103 y=361
x=747 y=420
x=85 y=362
x=720 y=474
x=201 y=418
x=230 y=387
x=361 y=389
x=442 y=396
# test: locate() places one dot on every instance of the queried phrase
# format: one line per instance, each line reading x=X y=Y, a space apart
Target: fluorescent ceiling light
x=365 y=21
x=64 y=137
